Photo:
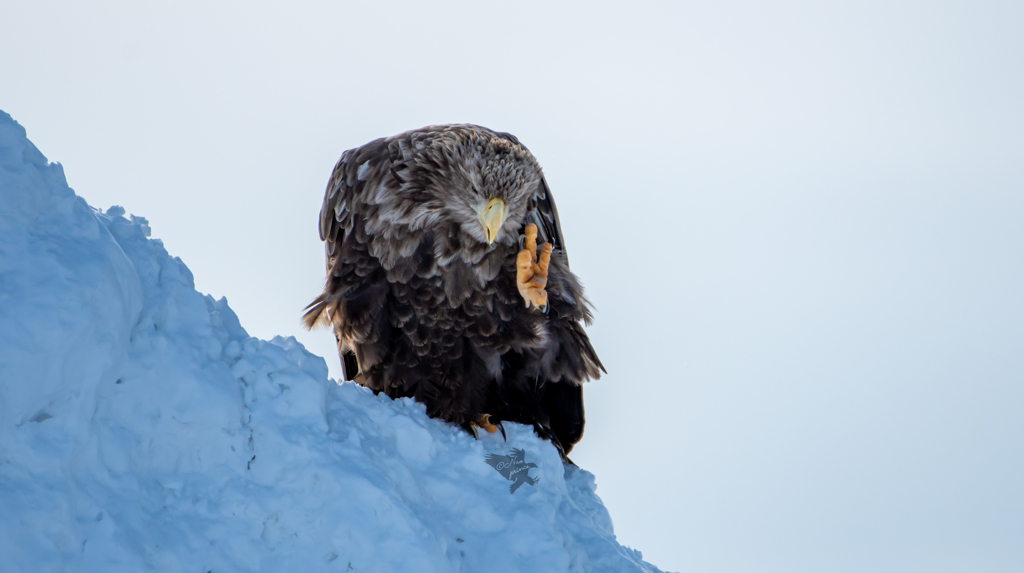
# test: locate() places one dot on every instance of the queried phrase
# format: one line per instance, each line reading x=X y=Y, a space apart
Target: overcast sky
x=801 y=225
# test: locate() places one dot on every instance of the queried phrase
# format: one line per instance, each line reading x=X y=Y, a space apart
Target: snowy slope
x=142 y=429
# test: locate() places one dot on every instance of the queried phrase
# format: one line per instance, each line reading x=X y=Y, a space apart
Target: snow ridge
x=142 y=428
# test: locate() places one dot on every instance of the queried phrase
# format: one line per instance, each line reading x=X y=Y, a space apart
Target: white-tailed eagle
x=437 y=288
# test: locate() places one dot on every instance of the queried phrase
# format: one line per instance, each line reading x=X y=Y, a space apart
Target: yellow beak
x=492 y=217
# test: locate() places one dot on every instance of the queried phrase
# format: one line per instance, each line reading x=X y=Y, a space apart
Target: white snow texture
x=142 y=429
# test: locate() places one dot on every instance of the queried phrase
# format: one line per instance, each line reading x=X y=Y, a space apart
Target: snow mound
x=141 y=428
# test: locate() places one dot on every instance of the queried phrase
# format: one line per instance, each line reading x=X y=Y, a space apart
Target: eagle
x=448 y=282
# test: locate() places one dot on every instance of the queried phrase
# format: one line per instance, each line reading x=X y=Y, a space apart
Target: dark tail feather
x=563 y=402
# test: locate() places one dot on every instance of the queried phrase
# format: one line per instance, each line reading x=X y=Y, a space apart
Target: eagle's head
x=491 y=180
x=467 y=187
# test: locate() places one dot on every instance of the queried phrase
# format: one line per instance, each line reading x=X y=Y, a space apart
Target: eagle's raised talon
x=532 y=270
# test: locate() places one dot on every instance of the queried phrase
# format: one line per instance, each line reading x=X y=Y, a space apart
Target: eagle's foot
x=532 y=270
x=484 y=421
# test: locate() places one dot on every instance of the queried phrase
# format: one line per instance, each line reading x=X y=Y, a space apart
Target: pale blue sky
x=801 y=224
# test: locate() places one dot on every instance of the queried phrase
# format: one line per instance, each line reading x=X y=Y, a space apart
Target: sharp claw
x=545 y=308
x=502 y=429
x=522 y=241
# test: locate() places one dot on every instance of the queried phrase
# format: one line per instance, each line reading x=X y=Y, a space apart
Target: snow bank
x=141 y=428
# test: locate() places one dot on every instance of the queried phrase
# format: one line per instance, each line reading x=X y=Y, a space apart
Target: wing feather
x=545 y=215
x=356 y=170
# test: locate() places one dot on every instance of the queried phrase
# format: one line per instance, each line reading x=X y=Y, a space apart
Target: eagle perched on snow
x=447 y=281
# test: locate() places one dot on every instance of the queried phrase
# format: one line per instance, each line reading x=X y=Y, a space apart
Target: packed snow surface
x=142 y=429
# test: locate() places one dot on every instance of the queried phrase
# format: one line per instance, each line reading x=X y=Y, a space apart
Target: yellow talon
x=484 y=421
x=531 y=271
